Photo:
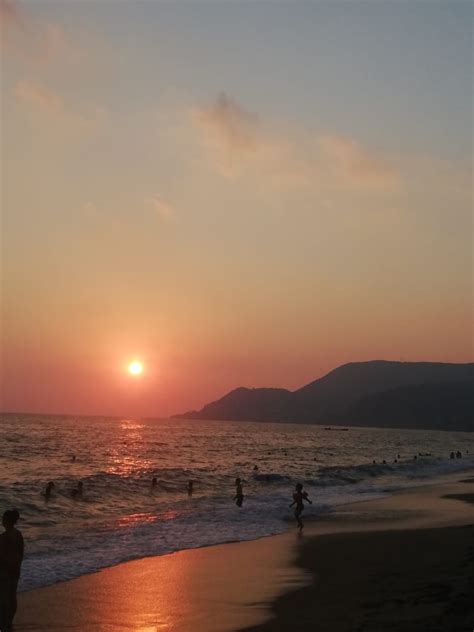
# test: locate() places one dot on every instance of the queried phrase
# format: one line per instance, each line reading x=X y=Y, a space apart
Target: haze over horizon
x=232 y=194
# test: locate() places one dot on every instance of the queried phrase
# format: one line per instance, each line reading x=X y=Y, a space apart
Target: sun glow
x=135 y=368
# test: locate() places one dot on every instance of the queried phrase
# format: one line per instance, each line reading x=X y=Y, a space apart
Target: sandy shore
x=407 y=580
x=400 y=563
x=214 y=589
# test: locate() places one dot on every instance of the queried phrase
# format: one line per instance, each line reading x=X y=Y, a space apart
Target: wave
x=271 y=478
x=420 y=468
x=121 y=517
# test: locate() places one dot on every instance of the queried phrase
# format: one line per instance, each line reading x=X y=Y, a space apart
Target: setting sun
x=135 y=368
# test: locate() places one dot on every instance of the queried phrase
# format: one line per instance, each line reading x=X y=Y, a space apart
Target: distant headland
x=379 y=393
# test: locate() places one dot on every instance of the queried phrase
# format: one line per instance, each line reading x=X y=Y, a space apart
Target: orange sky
x=228 y=227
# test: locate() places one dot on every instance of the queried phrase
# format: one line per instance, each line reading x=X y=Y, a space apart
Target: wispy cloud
x=162 y=208
x=35 y=41
x=12 y=26
x=240 y=142
x=43 y=56
x=55 y=45
x=44 y=101
x=10 y=13
x=349 y=159
x=231 y=133
x=39 y=97
x=229 y=125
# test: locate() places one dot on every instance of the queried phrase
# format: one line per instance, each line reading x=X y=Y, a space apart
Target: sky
x=235 y=193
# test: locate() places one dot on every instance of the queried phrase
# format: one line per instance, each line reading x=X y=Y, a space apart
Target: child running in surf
x=298 y=497
x=239 y=494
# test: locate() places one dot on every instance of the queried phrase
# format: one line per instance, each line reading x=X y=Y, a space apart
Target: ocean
x=121 y=517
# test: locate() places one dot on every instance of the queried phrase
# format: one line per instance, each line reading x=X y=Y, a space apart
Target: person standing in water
x=239 y=494
x=49 y=489
x=190 y=488
x=77 y=493
x=11 y=557
x=298 y=497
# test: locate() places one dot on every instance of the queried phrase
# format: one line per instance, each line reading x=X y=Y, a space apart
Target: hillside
x=376 y=393
x=448 y=405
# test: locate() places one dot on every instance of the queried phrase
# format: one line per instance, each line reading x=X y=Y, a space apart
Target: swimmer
x=298 y=497
x=48 y=490
x=239 y=494
x=77 y=493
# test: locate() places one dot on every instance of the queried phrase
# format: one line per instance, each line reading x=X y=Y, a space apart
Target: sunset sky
x=233 y=193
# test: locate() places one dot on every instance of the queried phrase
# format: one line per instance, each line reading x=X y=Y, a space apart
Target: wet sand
x=405 y=561
x=212 y=589
x=399 y=579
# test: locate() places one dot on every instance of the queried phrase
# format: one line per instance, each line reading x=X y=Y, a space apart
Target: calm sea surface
x=120 y=516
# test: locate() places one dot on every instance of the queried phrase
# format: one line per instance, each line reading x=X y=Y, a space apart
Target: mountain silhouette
x=376 y=393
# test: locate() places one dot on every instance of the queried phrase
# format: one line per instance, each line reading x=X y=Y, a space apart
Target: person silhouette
x=190 y=488
x=154 y=481
x=77 y=493
x=11 y=557
x=48 y=490
x=298 y=497
x=239 y=494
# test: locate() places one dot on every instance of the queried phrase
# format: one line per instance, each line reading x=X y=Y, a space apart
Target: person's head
x=80 y=485
x=50 y=485
x=10 y=518
x=237 y=481
x=299 y=487
x=154 y=481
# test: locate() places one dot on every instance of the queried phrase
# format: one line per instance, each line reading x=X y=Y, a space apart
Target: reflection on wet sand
x=201 y=590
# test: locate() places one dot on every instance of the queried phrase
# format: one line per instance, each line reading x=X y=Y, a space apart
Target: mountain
x=376 y=393
x=440 y=406
x=250 y=404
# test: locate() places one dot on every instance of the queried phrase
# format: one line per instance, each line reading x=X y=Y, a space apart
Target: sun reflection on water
x=128 y=459
x=138 y=519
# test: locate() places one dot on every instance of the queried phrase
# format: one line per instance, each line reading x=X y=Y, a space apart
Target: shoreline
x=207 y=589
x=232 y=586
x=398 y=579
x=311 y=520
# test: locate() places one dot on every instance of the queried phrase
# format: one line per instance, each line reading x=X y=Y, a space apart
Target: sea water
x=121 y=517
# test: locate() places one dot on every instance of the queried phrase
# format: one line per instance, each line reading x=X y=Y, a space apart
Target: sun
x=135 y=367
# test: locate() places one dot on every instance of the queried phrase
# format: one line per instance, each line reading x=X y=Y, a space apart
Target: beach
x=402 y=562
x=237 y=362
x=397 y=579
